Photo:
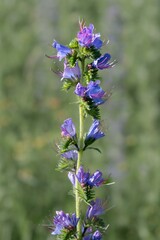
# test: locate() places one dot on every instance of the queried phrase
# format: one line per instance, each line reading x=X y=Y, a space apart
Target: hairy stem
x=80 y=153
x=78 y=210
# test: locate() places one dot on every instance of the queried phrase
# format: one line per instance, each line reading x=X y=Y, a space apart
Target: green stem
x=80 y=153
x=78 y=210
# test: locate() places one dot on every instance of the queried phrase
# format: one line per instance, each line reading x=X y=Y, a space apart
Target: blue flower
x=87 y=38
x=80 y=90
x=85 y=179
x=82 y=176
x=103 y=62
x=92 y=236
x=97 y=208
x=92 y=91
x=68 y=129
x=71 y=72
x=94 y=133
x=97 y=235
x=62 y=51
x=72 y=155
x=96 y=179
x=64 y=221
x=95 y=92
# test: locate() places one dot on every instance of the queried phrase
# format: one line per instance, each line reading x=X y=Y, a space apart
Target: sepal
x=66 y=165
x=67 y=84
x=88 y=141
x=72 y=58
x=66 y=234
x=74 y=44
x=94 y=52
x=90 y=52
x=91 y=74
x=98 y=223
x=91 y=108
x=64 y=146
x=86 y=194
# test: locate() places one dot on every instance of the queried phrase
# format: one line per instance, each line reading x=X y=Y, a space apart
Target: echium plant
x=82 y=62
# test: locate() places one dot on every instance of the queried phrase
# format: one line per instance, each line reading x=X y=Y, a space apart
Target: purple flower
x=68 y=129
x=94 y=132
x=95 y=92
x=103 y=62
x=85 y=179
x=87 y=38
x=87 y=237
x=96 y=179
x=64 y=221
x=97 y=208
x=62 y=51
x=97 y=235
x=80 y=90
x=82 y=176
x=72 y=155
x=88 y=234
x=71 y=72
x=92 y=91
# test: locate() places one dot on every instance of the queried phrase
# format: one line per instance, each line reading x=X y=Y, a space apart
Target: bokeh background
x=32 y=108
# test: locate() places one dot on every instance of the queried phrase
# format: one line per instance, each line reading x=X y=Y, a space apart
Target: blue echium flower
x=80 y=90
x=95 y=92
x=103 y=62
x=94 y=133
x=87 y=38
x=95 y=209
x=92 y=91
x=72 y=73
x=71 y=155
x=64 y=221
x=92 y=236
x=82 y=176
x=97 y=235
x=85 y=179
x=68 y=129
x=96 y=180
x=62 y=51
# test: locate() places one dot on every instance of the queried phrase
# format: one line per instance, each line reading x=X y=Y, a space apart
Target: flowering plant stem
x=80 y=153
x=85 y=223
x=79 y=160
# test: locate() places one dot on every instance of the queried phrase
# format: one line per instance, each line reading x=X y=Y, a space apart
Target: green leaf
x=94 y=148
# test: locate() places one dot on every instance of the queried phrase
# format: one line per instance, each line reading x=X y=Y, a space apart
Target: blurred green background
x=32 y=108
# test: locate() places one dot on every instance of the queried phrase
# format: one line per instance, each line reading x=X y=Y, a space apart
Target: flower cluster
x=82 y=61
x=64 y=221
x=86 y=179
